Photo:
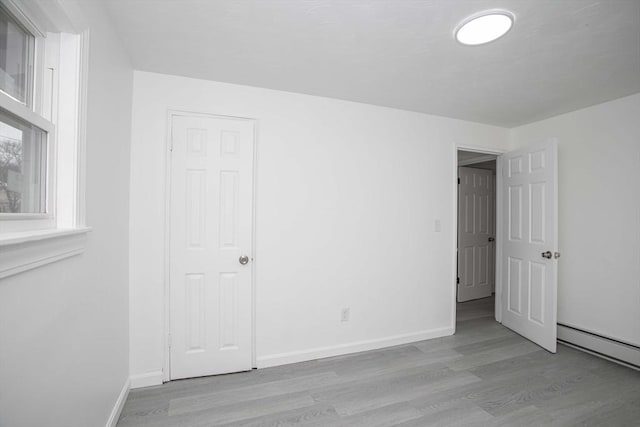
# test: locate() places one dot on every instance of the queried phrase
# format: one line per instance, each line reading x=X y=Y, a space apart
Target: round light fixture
x=484 y=27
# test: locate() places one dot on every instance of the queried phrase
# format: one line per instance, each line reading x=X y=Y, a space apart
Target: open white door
x=476 y=213
x=530 y=243
x=211 y=237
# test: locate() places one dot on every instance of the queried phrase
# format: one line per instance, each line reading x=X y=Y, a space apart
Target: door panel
x=475 y=228
x=529 y=297
x=211 y=198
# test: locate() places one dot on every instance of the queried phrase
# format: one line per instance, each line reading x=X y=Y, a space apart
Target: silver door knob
x=491 y=239
x=547 y=255
x=243 y=259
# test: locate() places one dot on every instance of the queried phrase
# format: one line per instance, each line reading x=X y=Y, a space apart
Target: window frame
x=45 y=219
x=29 y=112
x=59 y=93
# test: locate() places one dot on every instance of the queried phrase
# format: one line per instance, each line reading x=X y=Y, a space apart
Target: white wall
x=347 y=196
x=599 y=215
x=64 y=327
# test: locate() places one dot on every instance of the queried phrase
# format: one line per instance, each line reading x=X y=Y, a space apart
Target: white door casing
x=530 y=215
x=476 y=221
x=210 y=229
x=494 y=232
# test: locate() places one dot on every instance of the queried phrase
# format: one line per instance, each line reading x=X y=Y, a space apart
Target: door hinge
x=458 y=180
x=169 y=340
x=457 y=280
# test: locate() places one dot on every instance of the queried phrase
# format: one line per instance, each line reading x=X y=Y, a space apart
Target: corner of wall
x=119 y=405
x=511 y=138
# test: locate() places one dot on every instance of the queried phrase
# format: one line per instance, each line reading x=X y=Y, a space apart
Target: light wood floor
x=484 y=375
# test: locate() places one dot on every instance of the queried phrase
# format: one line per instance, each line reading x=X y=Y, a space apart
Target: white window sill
x=20 y=252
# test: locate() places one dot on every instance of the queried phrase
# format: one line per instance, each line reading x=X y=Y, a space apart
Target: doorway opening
x=525 y=238
x=476 y=236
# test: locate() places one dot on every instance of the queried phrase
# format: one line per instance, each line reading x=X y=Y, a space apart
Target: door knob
x=243 y=259
x=547 y=255
x=491 y=239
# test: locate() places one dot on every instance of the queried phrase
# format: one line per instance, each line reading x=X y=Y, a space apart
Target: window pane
x=15 y=51
x=22 y=166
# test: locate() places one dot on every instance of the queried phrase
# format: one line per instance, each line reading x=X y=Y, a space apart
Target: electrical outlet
x=344 y=317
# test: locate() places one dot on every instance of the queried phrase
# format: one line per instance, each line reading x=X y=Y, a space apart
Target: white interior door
x=211 y=234
x=530 y=244
x=476 y=213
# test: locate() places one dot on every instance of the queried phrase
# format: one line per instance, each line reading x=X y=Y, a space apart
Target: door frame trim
x=166 y=327
x=498 y=152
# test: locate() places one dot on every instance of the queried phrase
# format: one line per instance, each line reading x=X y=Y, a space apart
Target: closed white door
x=211 y=238
x=529 y=251
x=476 y=212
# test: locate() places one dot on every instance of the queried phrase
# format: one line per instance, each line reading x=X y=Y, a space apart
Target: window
x=42 y=71
x=22 y=166
x=16 y=58
x=27 y=192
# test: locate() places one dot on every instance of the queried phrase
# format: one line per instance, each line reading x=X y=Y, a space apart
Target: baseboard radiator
x=617 y=351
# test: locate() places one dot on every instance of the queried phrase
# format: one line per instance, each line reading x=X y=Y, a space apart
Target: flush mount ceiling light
x=484 y=27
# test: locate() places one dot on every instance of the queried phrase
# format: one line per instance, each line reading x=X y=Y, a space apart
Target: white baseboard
x=117 y=408
x=608 y=348
x=355 y=347
x=146 y=380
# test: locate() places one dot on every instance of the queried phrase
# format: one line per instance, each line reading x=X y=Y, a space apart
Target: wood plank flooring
x=484 y=375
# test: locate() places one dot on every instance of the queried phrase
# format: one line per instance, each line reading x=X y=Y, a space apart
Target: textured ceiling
x=561 y=55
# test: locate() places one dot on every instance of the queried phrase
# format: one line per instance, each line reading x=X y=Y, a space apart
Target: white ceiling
x=561 y=55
